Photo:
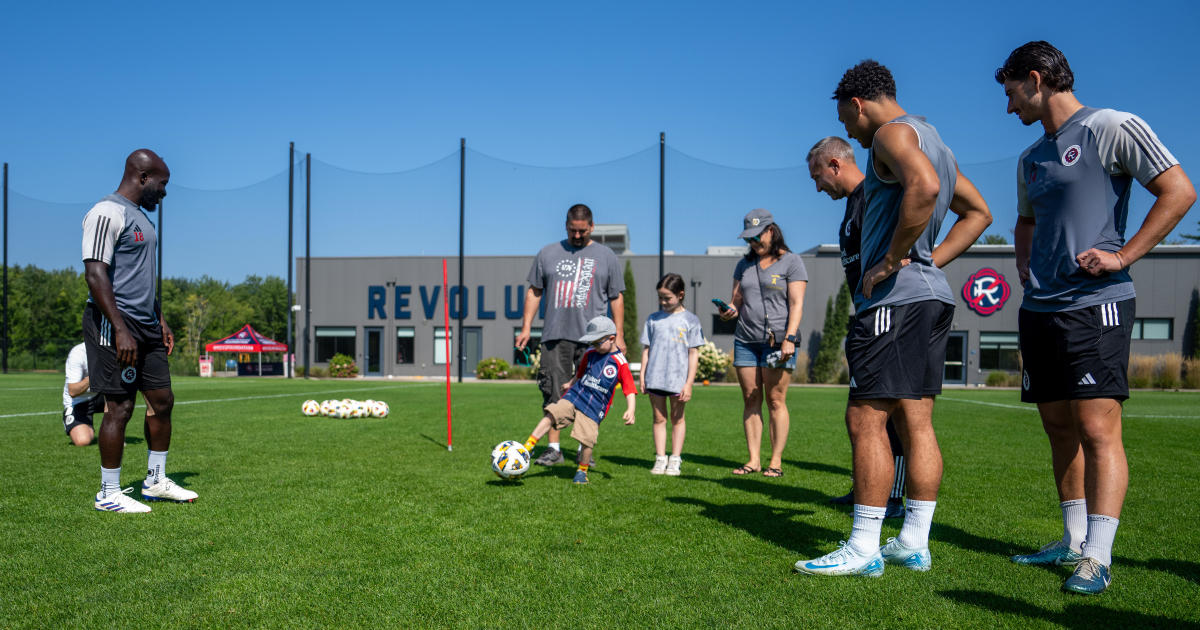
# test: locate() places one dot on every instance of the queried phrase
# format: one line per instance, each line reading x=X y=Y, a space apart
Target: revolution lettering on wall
x=428 y=299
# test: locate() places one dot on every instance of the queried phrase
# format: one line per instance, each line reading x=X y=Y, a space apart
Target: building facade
x=390 y=313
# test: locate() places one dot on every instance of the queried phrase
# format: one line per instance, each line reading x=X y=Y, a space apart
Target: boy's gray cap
x=599 y=328
x=755 y=222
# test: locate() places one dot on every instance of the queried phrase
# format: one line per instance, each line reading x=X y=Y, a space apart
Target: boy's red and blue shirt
x=596 y=380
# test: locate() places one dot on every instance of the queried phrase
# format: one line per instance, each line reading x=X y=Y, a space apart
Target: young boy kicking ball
x=589 y=394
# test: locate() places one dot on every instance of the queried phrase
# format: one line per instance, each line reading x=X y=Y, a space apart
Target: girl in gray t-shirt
x=671 y=339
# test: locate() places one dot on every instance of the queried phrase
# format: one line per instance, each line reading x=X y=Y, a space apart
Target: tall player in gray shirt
x=126 y=338
x=1073 y=187
x=897 y=343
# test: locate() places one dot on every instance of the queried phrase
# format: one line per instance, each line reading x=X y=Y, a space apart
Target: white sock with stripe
x=1101 y=530
x=1075 y=523
x=918 y=518
x=156 y=463
x=868 y=523
x=110 y=481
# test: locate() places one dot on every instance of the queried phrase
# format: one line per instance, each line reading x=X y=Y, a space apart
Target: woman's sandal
x=745 y=470
x=773 y=472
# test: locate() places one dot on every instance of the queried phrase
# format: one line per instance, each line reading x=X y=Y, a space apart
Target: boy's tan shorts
x=562 y=414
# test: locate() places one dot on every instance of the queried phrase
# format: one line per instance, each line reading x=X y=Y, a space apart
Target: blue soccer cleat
x=896 y=552
x=844 y=561
x=1056 y=552
x=1090 y=578
x=580 y=477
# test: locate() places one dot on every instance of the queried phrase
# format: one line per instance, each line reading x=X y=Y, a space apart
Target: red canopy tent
x=247 y=340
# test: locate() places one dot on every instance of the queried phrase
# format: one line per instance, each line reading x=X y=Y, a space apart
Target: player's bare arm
x=973 y=218
x=630 y=405
x=1174 y=195
x=96 y=274
x=533 y=299
x=617 y=305
x=898 y=150
x=1023 y=245
x=168 y=337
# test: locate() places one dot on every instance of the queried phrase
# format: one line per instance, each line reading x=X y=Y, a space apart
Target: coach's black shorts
x=1072 y=355
x=559 y=358
x=899 y=351
x=82 y=413
x=149 y=372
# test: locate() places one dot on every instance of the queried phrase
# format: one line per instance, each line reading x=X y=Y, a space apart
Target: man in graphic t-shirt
x=580 y=279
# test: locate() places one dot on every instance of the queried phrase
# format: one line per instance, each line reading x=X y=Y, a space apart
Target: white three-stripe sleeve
x=102 y=226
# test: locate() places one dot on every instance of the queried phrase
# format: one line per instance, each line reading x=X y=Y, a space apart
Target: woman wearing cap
x=768 y=300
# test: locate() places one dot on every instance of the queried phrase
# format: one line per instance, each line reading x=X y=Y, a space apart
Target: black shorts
x=1073 y=355
x=82 y=413
x=558 y=361
x=149 y=372
x=899 y=351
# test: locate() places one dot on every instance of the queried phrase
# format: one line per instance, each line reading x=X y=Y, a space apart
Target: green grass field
x=317 y=522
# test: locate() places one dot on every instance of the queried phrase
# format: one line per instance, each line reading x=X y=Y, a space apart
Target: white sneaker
x=896 y=552
x=844 y=561
x=660 y=465
x=166 y=490
x=119 y=502
x=673 y=464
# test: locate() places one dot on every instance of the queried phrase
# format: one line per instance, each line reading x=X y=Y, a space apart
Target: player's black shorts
x=82 y=413
x=149 y=372
x=899 y=351
x=1072 y=355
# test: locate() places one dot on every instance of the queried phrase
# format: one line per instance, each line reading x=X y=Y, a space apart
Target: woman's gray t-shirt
x=764 y=296
x=669 y=336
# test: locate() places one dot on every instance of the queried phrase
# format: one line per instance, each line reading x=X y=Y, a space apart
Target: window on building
x=722 y=327
x=405 y=336
x=999 y=351
x=535 y=338
x=1157 y=328
x=439 y=345
x=333 y=340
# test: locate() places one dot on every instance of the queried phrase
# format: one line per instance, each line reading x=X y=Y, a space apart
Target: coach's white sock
x=155 y=465
x=556 y=446
x=868 y=522
x=110 y=481
x=1101 y=530
x=1075 y=523
x=918 y=518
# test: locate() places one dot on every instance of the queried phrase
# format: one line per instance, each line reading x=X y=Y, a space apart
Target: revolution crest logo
x=986 y=291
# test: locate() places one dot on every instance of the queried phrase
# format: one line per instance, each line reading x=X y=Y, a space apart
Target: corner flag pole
x=446 y=315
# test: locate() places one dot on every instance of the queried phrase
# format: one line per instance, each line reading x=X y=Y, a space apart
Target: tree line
x=46 y=310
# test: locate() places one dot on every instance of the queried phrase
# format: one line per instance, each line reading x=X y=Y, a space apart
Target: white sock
x=918 y=517
x=868 y=523
x=110 y=481
x=1075 y=523
x=1101 y=530
x=555 y=446
x=156 y=463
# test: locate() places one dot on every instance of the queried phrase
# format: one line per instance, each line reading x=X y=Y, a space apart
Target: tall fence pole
x=662 y=196
x=4 y=340
x=462 y=297
x=291 y=348
x=307 y=262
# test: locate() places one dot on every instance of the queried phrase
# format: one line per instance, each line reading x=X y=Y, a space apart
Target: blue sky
x=540 y=91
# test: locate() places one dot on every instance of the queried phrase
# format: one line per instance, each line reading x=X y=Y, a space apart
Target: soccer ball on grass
x=510 y=460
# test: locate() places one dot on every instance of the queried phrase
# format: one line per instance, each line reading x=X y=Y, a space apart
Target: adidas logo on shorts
x=1087 y=380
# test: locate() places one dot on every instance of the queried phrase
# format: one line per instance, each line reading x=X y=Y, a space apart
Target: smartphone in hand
x=720 y=304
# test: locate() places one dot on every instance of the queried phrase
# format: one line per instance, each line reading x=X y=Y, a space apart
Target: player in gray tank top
x=1073 y=187
x=911 y=181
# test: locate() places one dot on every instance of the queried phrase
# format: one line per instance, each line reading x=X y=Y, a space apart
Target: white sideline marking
x=1031 y=407
x=236 y=398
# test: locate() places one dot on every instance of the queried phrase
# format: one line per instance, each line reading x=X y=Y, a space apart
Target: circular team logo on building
x=129 y=374
x=610 y=371
x=1071 y=155
x=986 y=291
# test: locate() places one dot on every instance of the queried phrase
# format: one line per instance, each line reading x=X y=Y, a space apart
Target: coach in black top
x=1073 y=187
x=832 y=167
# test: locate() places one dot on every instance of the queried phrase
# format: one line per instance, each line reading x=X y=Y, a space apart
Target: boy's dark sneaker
x=549 y=457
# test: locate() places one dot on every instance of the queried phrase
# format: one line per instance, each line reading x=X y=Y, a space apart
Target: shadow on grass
x=778 y=526
x=1079 y=615
x=818 y=467
x=1189 y=571
x=774 y=488
x=440 y=443
x=180 y=477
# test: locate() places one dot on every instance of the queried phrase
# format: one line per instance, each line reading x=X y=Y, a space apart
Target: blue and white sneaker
x=1090 y=578
x=166 y=490
x=844 y=561
x=896 y=552
x=580 y=477
x=1056 y=552
x=119 y=502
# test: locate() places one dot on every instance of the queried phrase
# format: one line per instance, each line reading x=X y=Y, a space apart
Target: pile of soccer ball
x=346 y=408
x=510 y=460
